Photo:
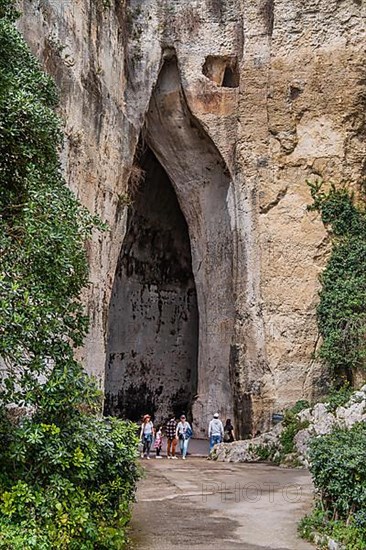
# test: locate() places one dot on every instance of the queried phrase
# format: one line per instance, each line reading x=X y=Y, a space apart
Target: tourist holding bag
x=146 y=435
x=184 y=433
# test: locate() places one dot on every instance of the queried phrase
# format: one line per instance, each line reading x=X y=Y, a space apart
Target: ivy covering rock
x=67 y=474
x=341 y=311
x=334 y=444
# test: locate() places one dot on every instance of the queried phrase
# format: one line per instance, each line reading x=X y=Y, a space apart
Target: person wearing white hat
x=215 y=431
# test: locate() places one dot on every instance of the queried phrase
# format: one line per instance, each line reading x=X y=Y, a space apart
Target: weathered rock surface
x=320 y=421
x=276 y=88
x=245 y=450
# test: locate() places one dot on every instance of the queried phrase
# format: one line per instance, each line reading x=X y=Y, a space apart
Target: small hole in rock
x=231 y=79
x=222 y=70
x=294 y=92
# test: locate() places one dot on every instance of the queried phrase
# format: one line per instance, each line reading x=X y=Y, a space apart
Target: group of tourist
x=180 y=430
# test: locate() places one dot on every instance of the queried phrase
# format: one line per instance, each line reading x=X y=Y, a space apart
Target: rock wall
x=81 y=45
x=276 y=90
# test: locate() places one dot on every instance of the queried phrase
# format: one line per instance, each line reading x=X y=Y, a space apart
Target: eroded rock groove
x=153 y=326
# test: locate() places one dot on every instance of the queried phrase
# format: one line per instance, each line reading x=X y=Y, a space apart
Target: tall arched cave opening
x=153 y=320
x=171 y=319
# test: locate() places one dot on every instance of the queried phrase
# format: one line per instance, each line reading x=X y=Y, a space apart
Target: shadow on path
x=204 y=505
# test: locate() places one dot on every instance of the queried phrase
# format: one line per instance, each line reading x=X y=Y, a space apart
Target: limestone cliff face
x=239 y=102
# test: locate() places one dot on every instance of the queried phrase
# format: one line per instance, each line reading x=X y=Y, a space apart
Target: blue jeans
x=183 y=444
x=147 y=441
x=214 y=440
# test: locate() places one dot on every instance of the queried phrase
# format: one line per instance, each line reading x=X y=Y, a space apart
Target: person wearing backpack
x=184 y=434
x=215 y=431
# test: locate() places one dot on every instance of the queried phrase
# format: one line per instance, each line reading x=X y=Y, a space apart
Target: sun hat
x=146 y=416
x=216 y=415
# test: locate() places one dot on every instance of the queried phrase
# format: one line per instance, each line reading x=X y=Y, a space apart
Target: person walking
x=158 y=442
x=172 y=440
x=215 y=431
x=184 y=434
x=146 y=435
x=229 y=434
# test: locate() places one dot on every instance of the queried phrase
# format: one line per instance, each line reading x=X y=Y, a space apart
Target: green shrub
x=67 y=475
x=315 y=522
x=278 y=452
x=70 y=486
x=338 y=467
x=350 y=535
x=265 y=452
x=299 y=406
x=338 y=397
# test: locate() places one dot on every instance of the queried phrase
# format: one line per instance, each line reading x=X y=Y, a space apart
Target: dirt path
x=203 y=505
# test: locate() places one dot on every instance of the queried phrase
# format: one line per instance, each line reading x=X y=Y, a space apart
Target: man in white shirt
x=215 y=431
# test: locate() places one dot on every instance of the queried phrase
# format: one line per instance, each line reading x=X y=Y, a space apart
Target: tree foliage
x=342 y=308
x=42 y=229
x=67 y=475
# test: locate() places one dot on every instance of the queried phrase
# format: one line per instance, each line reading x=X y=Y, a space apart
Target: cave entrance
x=153 y=319
x=178 y=257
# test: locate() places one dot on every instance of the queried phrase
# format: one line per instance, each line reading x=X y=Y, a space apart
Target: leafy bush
x=299 y=406
x=7 y=9
x=264 y=452
x=342 y=308
x=338 y=467
x=67 y=475
x=70 y=486
x=339 y=473
x=280 y=451
x=338 y=397
x=350 y=535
